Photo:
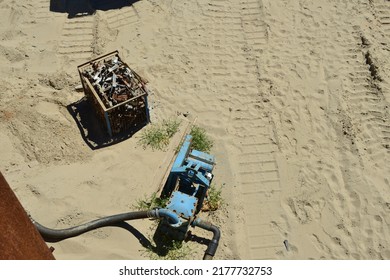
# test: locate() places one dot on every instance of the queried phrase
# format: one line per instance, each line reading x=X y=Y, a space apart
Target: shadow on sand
x=91 y=130
x=77 y=8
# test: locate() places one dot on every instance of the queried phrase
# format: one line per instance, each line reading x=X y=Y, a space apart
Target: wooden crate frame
x=114 y=118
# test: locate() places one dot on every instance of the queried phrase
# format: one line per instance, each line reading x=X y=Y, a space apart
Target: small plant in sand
x=151 y=202
x=200 y=140
x=213 y=199
x=169 y=249
x=170 y=127
x=157 y=136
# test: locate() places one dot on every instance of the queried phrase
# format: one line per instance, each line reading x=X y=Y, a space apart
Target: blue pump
x=187 y=185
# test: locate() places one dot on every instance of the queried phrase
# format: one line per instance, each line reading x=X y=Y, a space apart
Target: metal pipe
x=173 y=219
x=213 y=245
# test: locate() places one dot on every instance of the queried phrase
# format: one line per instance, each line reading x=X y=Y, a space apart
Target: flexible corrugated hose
x=54 y=235
x=213 y=245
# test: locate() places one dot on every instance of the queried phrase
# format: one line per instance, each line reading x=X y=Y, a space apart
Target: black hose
x=213 y=245
x=54 y=235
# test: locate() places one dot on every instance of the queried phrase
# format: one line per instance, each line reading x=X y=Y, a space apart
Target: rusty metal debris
x=117 y=93
x=114 y=81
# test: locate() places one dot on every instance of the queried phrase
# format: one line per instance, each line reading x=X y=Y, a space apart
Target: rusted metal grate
x=117 y=93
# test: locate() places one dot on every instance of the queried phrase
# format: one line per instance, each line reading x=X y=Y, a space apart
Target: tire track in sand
x=367 y=102
x=258 y=177
x=77 y=38
x=331 y=176
x=369 y=121
x=218 y=56
x=382 y=15
x=381 y=39
x=42 y=11
x=382 y=11
x=255 y=165
x=119 y=18
x=258 y=171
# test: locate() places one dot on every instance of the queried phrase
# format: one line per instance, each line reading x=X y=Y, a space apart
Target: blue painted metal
x=108 y=124
x=180 y=158
x=182 y=204
x=173 y=218
x=188 y=182
x=147 y=109
x=196 y=222
x=203 y=157
x=184 y=150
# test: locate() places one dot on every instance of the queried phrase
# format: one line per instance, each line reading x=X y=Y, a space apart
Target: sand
x=294 y=93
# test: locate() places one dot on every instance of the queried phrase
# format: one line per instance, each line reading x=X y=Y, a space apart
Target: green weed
x=169 y=250
x=213 y=199
x=200 y=140
x=151 y=202
x=157 y=136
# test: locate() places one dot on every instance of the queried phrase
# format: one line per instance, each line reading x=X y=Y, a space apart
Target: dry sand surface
x=294 y=93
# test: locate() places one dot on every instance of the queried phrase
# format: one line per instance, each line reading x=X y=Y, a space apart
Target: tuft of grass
x=200 y=140
x=151 y=202
x=157 y=136
x=213 y=200
x=170 y=127
x=154 y=137
x=169 y=250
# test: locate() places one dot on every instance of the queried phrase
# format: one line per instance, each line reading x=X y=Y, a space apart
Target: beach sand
x=294 y=93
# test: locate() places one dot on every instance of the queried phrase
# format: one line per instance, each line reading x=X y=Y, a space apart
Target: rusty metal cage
x=117 y=93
